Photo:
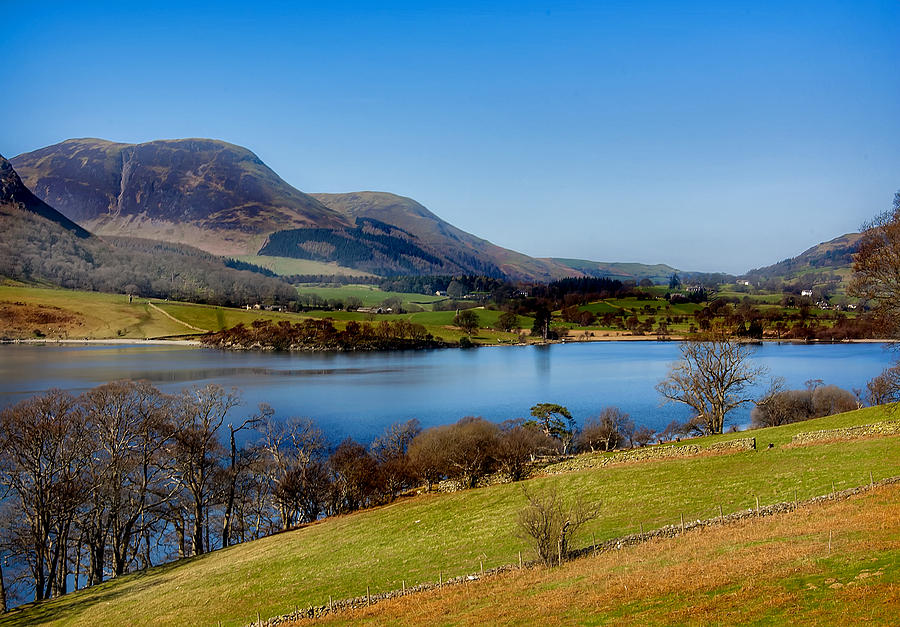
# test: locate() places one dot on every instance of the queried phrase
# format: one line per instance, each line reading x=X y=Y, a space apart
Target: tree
x=556 y=422
x=467 y=320
x=712 y=379
x=674 y=281
x=876 y=269
x=549 y=523
x=643 y=435
x=517 y=444
x=508 y=321
x=42 y=455
x=197 y=451
x=541 y=326
x=607 y=431
x=885 y=388
x=470 y=449
x=456 y=289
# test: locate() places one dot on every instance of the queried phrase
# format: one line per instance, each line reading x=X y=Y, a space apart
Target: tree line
x=321 y=334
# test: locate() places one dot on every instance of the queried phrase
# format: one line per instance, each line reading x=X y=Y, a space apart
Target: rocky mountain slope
x=15 y=197
x=207 y=193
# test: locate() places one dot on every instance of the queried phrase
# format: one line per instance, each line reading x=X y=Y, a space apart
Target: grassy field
x=71 y=314
x=368 y=294
x=418 y=538
x=286 y=266
x=772 y=571
x=90 y=315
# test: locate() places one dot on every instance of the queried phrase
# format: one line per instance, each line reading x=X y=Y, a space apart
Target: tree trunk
x=3 y=607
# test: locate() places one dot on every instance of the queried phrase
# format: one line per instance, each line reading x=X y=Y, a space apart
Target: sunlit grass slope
x=771 y=571
x=424 y=537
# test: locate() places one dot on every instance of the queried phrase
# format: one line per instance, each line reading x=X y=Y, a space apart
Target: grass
x=214 y=318
x=368 y=294
x=417 y=538
x=286 y=266
x=777 y=570
x=93 y=315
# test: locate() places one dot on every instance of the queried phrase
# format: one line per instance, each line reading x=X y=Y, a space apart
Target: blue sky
x=706 y=135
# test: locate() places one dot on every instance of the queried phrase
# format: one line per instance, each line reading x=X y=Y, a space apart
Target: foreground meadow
x=431 y=536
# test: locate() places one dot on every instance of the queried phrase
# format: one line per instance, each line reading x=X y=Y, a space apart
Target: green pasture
x=429 y=536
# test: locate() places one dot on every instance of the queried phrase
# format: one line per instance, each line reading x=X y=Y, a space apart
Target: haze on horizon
x=706 y=135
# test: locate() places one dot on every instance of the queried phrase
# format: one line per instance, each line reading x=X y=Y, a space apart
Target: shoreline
x=579 y=340
x=111 y=341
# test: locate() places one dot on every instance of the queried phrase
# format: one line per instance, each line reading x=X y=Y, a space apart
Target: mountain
x=40 y=245
x=224 y=199
x=203 y=192
x=14 y=196
x=478 y=255
x=827 y=263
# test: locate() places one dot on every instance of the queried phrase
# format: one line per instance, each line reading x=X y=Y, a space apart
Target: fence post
x=368 y=596
x=757 y=505
x=440 y=579
x=642 y=527
x=593 y=543
x=829 y=541
x=404 y=586
x=330 y=604
x=682 y=524
x=871 y=480
x=721 y=516
x=520 y=559
x=832 y=489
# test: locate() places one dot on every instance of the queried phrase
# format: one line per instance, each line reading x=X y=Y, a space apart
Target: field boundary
x=614 y=544
x=884 y=428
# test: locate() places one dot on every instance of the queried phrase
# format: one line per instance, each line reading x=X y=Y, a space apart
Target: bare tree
x=885 y=388
x=712 y=378
x=292 y=449
x=549 y=523
x=517 y=445
x=42 y=457
x=197 y=451
x=607 y=431
x=876 y=268
x=395 y=469
x=128 y=426
x=239 y=461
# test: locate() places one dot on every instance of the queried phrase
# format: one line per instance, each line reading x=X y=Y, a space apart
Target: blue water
x=358 y=394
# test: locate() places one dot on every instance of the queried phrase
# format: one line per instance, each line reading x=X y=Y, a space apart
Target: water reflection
x=359 y=394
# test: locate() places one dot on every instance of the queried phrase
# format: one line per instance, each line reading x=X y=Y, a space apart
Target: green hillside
x=429 y=536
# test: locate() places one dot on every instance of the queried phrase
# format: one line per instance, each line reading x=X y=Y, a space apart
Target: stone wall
x=889 y=427
x=599 y=460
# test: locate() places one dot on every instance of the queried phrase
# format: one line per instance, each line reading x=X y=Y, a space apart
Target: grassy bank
x=796 y=568
x=421 y=538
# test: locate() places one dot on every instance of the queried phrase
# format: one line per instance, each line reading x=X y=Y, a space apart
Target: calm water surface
x=358 y=394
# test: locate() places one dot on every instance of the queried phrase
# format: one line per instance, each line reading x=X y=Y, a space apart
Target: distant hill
x=203 y=192
x=472 y=254
x=658 y=273
x=828 y=262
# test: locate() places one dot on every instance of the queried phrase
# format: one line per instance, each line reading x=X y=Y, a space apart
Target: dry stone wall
x=888 y=427
x=599 y=460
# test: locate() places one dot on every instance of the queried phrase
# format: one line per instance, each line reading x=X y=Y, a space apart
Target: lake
x=358 y=394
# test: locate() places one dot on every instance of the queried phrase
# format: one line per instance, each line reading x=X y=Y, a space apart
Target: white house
x=805 y=292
